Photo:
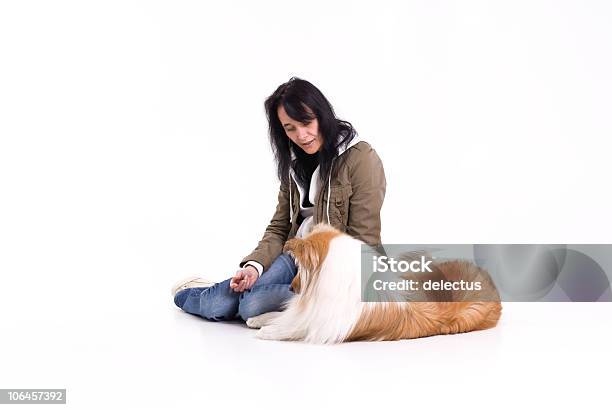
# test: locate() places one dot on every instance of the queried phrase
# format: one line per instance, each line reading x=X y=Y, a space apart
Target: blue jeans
x=220 y=302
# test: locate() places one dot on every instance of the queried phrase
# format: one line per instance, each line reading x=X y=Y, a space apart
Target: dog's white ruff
x=334 y=305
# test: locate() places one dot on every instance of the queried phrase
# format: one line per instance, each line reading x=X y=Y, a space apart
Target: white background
x=134 y=151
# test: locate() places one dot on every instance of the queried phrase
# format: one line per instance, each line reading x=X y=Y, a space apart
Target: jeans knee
x=250 y=306
x=262 y=299
x=289 y=262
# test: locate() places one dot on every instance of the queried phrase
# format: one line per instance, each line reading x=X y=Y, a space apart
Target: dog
x=327 y=306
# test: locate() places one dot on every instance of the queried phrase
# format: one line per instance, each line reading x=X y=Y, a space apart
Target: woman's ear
x=292 y=246
x=303 y=252
x=297 y=249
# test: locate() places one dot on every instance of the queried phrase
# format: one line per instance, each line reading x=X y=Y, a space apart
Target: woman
x=326 y=175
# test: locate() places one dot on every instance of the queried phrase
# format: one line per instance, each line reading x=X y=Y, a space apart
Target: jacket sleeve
x=271 y=245
x=368 y=185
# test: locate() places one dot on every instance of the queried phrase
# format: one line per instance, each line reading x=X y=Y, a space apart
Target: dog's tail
x=478 y=305
x=474 y=304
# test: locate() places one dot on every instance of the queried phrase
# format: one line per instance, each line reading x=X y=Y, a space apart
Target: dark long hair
x=295 y=95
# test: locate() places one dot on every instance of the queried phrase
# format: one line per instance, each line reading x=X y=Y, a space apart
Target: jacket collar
x=341 y=150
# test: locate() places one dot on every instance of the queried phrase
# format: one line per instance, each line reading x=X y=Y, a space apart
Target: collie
x=327 y=305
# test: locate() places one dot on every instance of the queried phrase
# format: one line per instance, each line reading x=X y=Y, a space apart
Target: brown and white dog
x=327 y=307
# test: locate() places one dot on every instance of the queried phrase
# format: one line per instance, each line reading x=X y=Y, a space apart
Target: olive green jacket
x=356 y=197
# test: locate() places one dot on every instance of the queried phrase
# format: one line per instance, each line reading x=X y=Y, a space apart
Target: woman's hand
x=244 y=279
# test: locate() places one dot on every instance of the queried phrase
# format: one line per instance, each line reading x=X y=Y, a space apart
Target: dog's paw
x=268 y=333
x=254 y=322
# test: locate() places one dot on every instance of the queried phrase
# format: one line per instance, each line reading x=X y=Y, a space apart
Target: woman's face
x=306 y=136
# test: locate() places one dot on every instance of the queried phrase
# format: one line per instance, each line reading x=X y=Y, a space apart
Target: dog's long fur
x=327 y=307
